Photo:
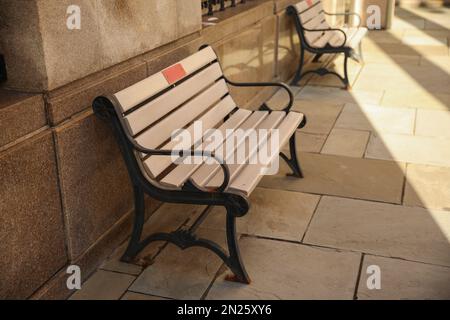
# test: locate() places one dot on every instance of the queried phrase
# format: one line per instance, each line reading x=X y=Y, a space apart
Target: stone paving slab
x=385 y=36
x=411 y=149
x=402 y=279
x=416 y=98
x=403 y=77
x=273 y=213
x=377 y=119
x=104 y=285
x=397 y=59
x=321 y=116
x=309 y=142
x=434 y=123
x=345 y=142
x=343 y=176
x=442 y=63
x=181 y=274
x=282 y=270
x=113 y=263
x=427 y=186
x=383 y=229
x=338 y=96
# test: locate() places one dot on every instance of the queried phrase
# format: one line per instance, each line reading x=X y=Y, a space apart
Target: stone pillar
x=42 y=53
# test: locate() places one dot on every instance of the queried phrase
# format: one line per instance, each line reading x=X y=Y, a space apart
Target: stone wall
x=66 y=197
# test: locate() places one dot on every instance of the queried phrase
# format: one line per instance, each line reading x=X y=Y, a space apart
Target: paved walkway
x=376 y=192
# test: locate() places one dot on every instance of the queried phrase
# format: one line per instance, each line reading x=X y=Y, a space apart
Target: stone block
x=66 y=101
x=95 y=185
x=32 y=241
x=20 y=114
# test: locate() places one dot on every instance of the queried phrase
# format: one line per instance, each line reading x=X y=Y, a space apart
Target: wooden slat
x=322 y=41
x=311 y=14
x=311 y=37
x=155 y=165
x=207 y=171
x=314 y=23
x=145 y=89
x=159 y=107
x=251 y=174
x=248 y=149
x=182 y=172
x=181 y=117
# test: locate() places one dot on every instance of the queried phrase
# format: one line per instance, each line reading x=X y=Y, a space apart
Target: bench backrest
x=310 y=15
x=173 y=99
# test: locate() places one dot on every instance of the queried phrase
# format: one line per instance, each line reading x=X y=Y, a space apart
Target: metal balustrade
x=218 y=5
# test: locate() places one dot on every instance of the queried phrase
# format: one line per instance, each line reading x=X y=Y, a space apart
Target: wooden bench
x=144 y=116
x=318 y=37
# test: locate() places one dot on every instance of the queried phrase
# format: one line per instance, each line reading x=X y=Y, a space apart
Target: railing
x=210 y=6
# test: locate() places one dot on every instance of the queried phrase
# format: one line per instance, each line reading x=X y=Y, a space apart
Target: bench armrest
x=345 y=14
x=190 y=152
x=330 y=29
x=287 y=108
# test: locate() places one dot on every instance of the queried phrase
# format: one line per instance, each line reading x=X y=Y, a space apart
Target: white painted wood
x=251 y=174
x=310 y=14
x=182 y=172
x=312 y=36
x=155 y=165
x=207 y=171
x=143 y=90
x=248 y=149
x=157 y=108
x=323 y=40
x=162 y=131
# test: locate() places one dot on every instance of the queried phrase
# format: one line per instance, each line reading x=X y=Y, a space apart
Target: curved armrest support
x=346 y=14
x=287 y=108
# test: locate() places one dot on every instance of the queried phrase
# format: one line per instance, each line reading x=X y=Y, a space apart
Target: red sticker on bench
x=174 y=73
x=309 y=2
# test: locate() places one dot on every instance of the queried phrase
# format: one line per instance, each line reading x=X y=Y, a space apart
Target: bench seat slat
x=183 y=171
x=202 y=172
x=155 y=165
x=181 y=117
x=247 y=149
x=311 y=36
x=249 y=177
x=324 y=39
x=310 y=15
x=151 y=112
x=303 y=5
x=145 y=89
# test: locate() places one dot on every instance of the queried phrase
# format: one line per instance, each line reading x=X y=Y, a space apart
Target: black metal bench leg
x=234 y=261
x=298 y=74
x=293 y=160
x=139 y=219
